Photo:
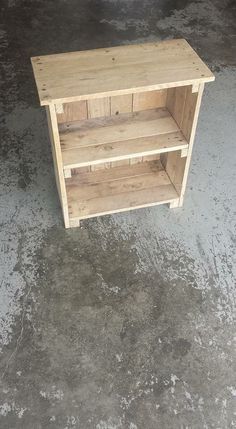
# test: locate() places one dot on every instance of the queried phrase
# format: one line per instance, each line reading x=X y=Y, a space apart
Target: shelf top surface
x=119 y=70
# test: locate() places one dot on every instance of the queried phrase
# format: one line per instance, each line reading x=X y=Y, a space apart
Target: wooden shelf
x=124 y=136
x=118 y=189
x=122 y=122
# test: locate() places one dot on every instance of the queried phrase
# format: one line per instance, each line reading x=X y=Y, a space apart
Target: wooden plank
x=128 y=149
x=126 y=201
x=119 y=163
x=174 y=165
x=97 y=108
x=151 y=157
x=120 y=128
x=175 y=103
x=76 y=111
x=74 y=223
x=57 y=160
x=149 y=100
x=189 y=113
x=102 y=189
x=192 y=108
x=99 y=193
x=115 y=173
x=117 y=71
x=121 y=104
x=174 y=204
x=111 y=120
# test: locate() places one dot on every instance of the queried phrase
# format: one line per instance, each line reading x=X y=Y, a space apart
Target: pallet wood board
x=127 y=149
x=118 y=189
x=119 y=70
x=110 y=129
x=116 y=138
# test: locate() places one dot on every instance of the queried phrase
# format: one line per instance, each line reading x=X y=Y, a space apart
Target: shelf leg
x=193 y=106
x=74 y=223
x=175 y=203
x=57 y=160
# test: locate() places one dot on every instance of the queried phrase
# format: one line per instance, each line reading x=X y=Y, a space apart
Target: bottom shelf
x=118 y=189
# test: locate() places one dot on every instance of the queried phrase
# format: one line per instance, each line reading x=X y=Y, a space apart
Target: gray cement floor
x=128 y=322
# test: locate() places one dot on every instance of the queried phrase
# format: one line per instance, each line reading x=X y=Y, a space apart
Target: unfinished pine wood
x=57 y=161
x=120 y=70
x=128 y=149
x=175 y=103
x=122 y=123
x=121 y=104
x=73 y=112
x=192 y=108
x=149 y=100
x=184 y=105
x=118 y=189
x=120 y=128
x=98 y=108
x=174 y=166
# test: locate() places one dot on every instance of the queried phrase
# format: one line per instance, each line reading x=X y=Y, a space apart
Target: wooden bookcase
x=122 y=122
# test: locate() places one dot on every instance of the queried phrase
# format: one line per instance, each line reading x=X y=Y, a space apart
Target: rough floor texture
x=128 y=322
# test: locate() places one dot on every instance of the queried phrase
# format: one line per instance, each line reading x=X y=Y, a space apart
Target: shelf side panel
x=184 y=105
x=174 y=165
x=191 y=113
x=57 y=160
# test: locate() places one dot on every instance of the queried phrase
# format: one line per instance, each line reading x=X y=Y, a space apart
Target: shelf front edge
x=111 y=93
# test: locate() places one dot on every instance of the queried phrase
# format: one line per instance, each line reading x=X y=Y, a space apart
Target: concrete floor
x=128 y=322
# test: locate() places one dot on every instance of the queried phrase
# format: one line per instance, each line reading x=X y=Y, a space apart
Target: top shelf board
x=82 y=75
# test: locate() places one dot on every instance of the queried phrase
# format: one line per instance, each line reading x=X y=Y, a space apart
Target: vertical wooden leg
x=74 y=223
x=192 y=107
x=176 y=203
x=57 y=160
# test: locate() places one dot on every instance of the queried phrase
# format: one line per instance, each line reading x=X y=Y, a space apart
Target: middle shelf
x=119 y=137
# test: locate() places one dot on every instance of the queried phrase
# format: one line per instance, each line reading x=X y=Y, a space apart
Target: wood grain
x=120 y=70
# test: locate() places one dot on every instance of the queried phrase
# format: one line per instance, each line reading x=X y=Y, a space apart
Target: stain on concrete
x=129 y=321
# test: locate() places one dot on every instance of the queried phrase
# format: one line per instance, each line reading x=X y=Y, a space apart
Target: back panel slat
x=73 y=112
x=149 y=100
x=98 y=108
x=121 y=104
